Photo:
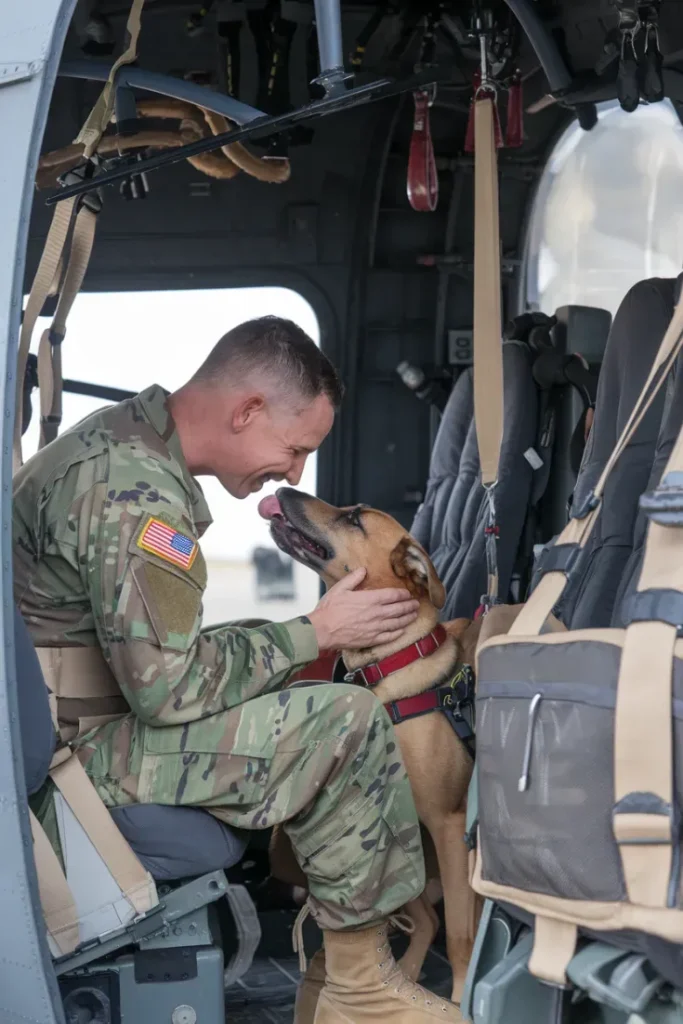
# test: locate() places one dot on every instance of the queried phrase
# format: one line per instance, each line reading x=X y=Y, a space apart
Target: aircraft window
x=132 y=339
x=609 y=209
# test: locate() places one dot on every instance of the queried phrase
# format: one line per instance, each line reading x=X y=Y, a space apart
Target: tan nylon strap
x=44 y=284
x=79 y=793
x=59 y=908
x=49 y=354
x=100 y=115
x=554 y=947
x=541 y=602
x=488 y=349
x=78 y=672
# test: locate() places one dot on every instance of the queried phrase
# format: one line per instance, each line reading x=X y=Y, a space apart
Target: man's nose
x=295 y=473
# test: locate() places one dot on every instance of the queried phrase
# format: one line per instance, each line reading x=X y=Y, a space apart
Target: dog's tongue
x=269 y=507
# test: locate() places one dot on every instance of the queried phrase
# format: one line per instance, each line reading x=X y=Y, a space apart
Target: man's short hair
x=278 y=348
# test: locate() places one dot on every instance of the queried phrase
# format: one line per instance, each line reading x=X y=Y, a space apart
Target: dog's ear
x=409 y=560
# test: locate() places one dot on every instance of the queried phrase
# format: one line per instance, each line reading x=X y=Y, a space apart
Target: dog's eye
x=353 y=516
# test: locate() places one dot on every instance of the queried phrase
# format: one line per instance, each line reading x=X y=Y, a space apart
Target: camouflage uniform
x=205 y=721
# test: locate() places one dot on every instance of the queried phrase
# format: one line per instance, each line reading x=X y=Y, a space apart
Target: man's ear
x=410 y=561
x=245 y=412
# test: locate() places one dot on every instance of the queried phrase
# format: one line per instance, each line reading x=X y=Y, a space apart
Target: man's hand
x=347 y=620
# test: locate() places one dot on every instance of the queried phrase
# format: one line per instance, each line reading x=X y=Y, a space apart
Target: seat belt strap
x=423 y=182
x=44 y=283
x=554 y=947
x=100 y=115
x=80 y=794
x=50 y=351
x=59 y=907
x=488 y=347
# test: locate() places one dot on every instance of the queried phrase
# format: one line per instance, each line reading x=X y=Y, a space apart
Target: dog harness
x=455 y=698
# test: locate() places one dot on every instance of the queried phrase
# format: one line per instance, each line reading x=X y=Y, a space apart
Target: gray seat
x=171 y=842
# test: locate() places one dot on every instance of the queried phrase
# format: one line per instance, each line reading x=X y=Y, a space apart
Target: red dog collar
x=373 y=674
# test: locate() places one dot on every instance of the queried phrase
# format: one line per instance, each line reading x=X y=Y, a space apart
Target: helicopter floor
x=266 y=992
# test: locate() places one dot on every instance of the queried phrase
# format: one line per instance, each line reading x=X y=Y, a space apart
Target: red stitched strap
x=423 y=183
x=409 y=706
x=373 y=674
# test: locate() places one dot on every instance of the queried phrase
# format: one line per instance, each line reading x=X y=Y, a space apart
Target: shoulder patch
x=167 y=543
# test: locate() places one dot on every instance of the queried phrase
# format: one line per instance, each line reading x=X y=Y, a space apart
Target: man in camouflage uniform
x=107 y=521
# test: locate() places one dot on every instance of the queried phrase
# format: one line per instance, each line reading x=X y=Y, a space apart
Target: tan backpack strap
x=44 y=283
x=644 y=814
x=99 y=117
x=59 y=908
x=50 y=349
x=554 y=947
x=488 y=347
x=79 y=793
x=576 y=533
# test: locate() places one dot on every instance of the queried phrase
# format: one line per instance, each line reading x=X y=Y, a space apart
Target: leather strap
x=423 y=181
x=373 y=674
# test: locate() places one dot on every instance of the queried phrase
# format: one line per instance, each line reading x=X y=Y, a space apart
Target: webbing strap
x=44 y=283
x=59 y=908
x=554 y=947
x=645 y=816
x=79 y=672
x=488 y=347
x=50 y=349
x=100 y=115
x=79 y=793
x=577 y=531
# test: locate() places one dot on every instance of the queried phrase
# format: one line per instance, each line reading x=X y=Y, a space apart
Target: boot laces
x=392 y=974
x=298 y=936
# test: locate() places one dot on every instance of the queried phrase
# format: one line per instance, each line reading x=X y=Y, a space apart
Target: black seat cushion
x=38 y=737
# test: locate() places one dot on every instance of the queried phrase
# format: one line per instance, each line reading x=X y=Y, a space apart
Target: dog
x=333 y=542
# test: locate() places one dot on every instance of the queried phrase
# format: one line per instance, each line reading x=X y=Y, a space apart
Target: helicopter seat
x=98 y=875
x=451 y=522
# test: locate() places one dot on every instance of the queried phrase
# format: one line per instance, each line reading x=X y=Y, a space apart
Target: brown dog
x=333 y=542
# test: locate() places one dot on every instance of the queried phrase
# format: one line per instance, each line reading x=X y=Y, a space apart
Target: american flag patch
x=165 y=542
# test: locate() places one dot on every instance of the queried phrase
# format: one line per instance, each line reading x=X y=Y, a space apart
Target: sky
x=134 y=339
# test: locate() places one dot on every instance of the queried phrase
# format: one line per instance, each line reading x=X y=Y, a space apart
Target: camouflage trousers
x=323 y=760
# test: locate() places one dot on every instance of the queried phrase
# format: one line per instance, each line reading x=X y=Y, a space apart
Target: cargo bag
x=580 y=738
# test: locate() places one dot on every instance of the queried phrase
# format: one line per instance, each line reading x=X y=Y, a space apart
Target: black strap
x=456 y=701
x=560 y=558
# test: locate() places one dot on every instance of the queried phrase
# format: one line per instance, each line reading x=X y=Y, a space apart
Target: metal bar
x=328 y=25
x=80 y=387
x=163 y=85
x=384 y=89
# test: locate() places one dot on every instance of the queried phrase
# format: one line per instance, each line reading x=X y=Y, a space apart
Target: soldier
x=107 y=521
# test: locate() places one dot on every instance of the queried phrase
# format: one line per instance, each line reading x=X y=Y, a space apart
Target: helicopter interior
x=335 y=149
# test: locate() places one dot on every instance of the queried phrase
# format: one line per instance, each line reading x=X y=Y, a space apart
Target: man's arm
x=146 y=577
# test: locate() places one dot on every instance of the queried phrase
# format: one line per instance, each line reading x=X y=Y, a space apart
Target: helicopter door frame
x=31 y=44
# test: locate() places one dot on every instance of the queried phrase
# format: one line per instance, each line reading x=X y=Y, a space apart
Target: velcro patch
x=169 y=544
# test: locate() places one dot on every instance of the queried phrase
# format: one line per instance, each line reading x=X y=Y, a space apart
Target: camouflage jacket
x=106 y=524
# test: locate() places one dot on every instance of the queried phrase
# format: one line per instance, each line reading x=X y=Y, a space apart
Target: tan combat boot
x=364 y=984
x=309 y=989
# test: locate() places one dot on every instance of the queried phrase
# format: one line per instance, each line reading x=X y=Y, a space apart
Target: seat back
x=639 y=325
x=452 y=520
